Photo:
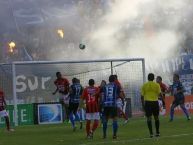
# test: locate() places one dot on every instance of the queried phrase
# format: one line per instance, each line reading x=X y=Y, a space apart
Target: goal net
x=33 y=82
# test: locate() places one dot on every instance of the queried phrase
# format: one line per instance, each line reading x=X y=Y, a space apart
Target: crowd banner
x=178 y=110
x=25 y=114
x=127 y=107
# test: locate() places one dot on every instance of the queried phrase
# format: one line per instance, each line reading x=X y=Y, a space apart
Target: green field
x=179 y=132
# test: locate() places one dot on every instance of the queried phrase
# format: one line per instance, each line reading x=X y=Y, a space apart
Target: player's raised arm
x=55 y=91
x=4 y=101
x=58 y=74
x=82 y=99
x=67 y=89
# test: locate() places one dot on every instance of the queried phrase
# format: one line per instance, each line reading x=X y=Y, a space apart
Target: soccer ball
x=82 y=46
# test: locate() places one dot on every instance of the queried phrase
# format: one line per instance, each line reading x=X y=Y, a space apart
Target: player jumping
x=62 y=86
x=75 y=93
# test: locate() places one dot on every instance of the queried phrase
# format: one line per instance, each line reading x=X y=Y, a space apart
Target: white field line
x=136 y=139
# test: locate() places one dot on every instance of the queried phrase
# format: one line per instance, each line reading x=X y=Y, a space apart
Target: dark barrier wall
x=128 y=110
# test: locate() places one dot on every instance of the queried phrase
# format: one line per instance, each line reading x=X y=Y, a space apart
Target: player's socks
x=88 y=127
x=95 y=125
x=7 y=123
x=77 y=116
x=124 y=115
x=91 y=135
x=185 y=111
x=171 y=114
x=115 y=128
x=104 y=129
x=164 y=104
x=157 y=127
x=149 y=124
x=81 y=125
x=71 y=117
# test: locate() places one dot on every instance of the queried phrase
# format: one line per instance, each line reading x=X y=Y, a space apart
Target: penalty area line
x=136 y=139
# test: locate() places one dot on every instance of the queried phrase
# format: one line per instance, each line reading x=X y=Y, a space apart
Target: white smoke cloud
x=155 y=35
x=128 y=28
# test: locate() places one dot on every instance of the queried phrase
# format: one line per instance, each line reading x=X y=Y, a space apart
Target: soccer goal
x=32 y=82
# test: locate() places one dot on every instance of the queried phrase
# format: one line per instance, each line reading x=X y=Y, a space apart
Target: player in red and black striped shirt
x=62 y=86
x=164 y=89
x=120 y=100
x=3 y=112
x=91 y=96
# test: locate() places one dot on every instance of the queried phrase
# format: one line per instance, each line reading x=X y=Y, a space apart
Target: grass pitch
x=135 y=132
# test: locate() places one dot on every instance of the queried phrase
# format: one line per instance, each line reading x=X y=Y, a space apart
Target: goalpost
x=32 y=81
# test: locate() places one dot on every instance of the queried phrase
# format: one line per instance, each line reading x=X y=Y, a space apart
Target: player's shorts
x=64 y=99
x=162 y=110
x=160 y=103
x=119 y=104
x=110 y=112
x=93 y=116
x=101 y=108
x=3 y=113
x=73 y=107
x=151 y=108
x=177 y=102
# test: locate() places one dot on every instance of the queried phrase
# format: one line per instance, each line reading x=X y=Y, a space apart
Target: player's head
x=77 y=80
x=150 y=77
x=176 y=77
x=111 y=78
x=159 y=79
x=74 y=80
x=103 y=83
x=116 y=77
x=91 y=82
x=58 y=75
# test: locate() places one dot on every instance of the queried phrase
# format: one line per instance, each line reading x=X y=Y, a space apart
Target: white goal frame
x=14 y=64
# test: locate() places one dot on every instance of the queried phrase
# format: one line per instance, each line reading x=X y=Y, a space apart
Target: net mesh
x=35 y=82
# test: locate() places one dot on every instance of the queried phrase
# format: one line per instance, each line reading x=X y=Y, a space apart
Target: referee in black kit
x=150 y=92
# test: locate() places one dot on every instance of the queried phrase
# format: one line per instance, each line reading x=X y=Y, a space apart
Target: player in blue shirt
x=75 y=93
x=177 y=91
x=111 y=92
